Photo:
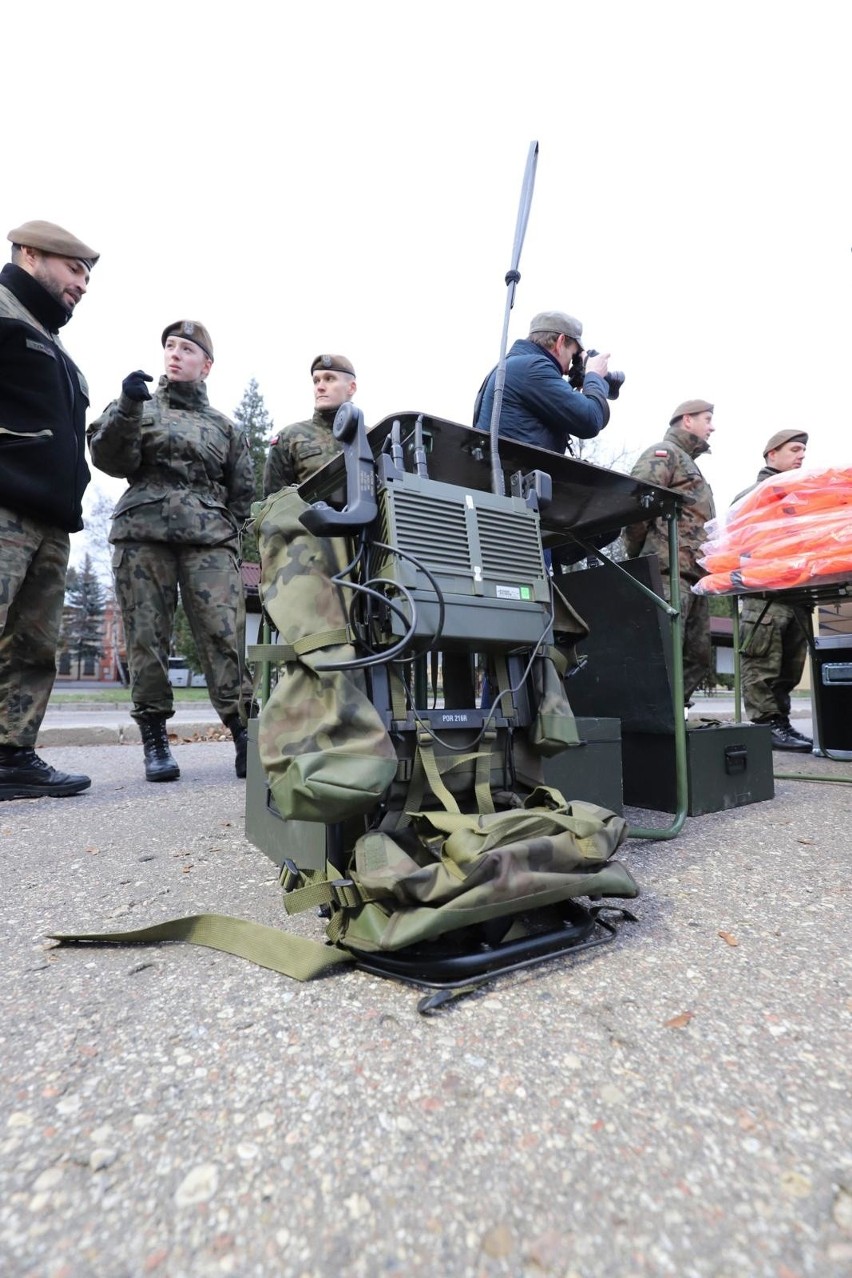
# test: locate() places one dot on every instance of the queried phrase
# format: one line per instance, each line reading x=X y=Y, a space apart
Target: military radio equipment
x=471 y=562
x=447 y=566
x=421 y=646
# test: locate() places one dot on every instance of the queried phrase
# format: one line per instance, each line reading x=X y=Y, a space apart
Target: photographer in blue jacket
x=539 y=406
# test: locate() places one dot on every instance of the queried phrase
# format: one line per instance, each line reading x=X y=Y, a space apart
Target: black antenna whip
x=512 y=277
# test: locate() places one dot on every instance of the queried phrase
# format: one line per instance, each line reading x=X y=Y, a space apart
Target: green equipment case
x=728 y=766
x=591 y=770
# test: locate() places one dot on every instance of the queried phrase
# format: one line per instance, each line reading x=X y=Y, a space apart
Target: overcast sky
x=345 y=177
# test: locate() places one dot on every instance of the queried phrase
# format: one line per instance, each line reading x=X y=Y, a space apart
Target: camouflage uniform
x=322 y=743
x=43 y=474
x=177 y=525
x=299 y=451
x=671 y=464
x=774 y=648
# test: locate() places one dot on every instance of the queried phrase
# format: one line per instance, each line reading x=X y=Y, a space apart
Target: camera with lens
x=577 y=375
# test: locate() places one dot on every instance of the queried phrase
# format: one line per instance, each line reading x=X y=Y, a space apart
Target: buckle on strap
x=340 y=894
x=345 y=894
x=290 y=876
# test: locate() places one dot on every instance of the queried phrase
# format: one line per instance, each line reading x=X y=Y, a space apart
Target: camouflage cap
x=334 y=364
x=557 y=322
x=192 y=331
x=50 y=238
x=782 y=437
x=689 y=408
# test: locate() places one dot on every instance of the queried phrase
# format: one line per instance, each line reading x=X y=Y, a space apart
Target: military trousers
x=33 y=564
x=148 y=575
x=773 y=651
x=695 y=624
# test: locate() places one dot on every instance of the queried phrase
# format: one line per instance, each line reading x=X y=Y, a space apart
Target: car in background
x=180 y=675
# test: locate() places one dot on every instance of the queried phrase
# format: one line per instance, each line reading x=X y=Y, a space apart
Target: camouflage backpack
x=456 y=851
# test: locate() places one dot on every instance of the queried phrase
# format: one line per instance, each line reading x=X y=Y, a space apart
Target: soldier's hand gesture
x=134 y=385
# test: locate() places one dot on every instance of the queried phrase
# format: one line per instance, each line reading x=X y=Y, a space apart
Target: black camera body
x=577 y=375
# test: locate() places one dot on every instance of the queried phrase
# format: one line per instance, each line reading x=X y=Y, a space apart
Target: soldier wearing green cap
x=297 y=451
x=177 y=526
x=774 y=637
x=43 y=475
x=672 y=464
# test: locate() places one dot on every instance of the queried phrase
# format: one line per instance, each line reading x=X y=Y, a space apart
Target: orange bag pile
x=793 y=530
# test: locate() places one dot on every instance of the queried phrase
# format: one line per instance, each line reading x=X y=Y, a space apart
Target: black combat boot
x=160 y=764
x=23 y=775
x=240 y=734
x=783 y=736
x=795 y=735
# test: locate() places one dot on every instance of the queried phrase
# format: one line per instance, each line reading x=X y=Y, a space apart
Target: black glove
x=134 y=385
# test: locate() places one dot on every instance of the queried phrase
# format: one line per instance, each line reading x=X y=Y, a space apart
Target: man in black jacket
x=43 y=475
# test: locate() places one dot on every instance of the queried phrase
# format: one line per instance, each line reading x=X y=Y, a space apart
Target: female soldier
x=191 y=488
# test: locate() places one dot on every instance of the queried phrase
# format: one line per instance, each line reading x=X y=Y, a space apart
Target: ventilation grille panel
x=431 y=529
x=510 y=546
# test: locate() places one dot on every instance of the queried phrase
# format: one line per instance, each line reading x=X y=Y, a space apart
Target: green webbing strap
x=484 y=799
x=277 y=654
x=428 y=769
x=413 y=800
x=336 y=926
x=341 y=892
x=399 y=702
x=327 y=639
x=559 y=660
x=501 y=676
x=294 y=956
x=426 y=754
x=280 y=654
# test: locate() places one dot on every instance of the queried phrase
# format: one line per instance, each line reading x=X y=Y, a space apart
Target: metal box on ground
x=591 y=771
x=728 y=766
x=831 y=695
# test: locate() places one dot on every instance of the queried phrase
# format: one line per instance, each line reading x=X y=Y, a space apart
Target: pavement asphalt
x=677 y=1103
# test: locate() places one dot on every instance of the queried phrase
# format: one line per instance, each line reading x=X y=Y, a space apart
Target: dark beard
x=50 y=286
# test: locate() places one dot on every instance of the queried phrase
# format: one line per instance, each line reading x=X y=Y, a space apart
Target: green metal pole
x=678 y=708
x=738 y=713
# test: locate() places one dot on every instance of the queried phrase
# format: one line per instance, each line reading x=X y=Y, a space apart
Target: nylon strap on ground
x=294 y=956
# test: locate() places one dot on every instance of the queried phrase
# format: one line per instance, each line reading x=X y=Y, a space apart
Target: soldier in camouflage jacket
x=298 y=451
x=671 y=464
x=774 y=636
x=191 y=486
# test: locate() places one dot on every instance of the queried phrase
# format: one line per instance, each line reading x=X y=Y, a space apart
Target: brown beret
x=690 y=407
x=333 y=363
x=783 y=437
x=557 y=322
x=50 y=238
x=192 y=331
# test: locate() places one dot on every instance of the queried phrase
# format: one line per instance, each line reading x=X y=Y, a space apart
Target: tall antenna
x=513 y=275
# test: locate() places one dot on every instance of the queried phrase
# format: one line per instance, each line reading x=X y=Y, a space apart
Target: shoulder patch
x=274 y=440
x=661 y=452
